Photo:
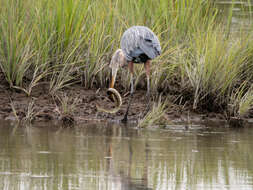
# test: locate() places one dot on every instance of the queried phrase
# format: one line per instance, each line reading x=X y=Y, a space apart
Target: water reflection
x=108 y=156
x=241 y=13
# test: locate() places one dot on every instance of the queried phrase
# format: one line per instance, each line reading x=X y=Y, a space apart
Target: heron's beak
x=116 y=62
x=112 y=81
x=114 y=74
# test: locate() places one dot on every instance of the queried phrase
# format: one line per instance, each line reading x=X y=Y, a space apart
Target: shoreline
x=78 y=105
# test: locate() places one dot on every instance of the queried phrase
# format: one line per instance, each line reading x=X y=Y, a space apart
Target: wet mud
x=77 y=104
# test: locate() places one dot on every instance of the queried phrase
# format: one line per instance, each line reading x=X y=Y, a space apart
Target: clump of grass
x=65 y=76
x=29 y=115
x=14 y=111
x=156 y=115
x=213 y=65
x=242 y=101
x=30 y=112
x=38 y=75
x=67 y=108
x=246 y=103
x=164 y=69
x=67 y=104
x=16 y=36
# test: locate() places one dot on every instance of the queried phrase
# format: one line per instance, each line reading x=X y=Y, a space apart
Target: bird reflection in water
x=123 y=178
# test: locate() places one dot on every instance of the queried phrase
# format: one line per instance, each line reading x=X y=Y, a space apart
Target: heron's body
x=138 y=45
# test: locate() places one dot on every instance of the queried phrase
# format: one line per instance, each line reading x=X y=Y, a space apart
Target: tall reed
x=16 y=51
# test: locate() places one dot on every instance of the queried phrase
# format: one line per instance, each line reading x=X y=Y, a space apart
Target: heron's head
x=118 y=60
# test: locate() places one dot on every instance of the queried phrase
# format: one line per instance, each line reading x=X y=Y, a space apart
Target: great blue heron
x=138 y=45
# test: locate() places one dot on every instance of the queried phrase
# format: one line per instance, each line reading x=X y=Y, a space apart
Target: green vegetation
x=69 y=41
x=155 y=115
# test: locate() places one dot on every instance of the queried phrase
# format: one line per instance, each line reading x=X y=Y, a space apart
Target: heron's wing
x=129 y=43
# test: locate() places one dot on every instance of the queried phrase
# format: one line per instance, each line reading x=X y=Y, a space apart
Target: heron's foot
x=124 y=120
x=148 y=96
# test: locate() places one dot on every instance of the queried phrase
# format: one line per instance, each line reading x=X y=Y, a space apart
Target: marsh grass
x=16 y=52
x=71 y=41
x=242 y=101
x=14 y=111
x=30 y=112
x=67 y=105
x=155 y=115
x=214 y=65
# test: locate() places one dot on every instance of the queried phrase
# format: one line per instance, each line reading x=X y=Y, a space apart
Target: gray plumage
x=140 y=44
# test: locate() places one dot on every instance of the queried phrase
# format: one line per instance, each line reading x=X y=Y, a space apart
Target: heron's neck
x=122 y=59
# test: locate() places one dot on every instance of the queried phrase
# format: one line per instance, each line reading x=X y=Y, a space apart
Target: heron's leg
x=147 y=69
x=131 y=68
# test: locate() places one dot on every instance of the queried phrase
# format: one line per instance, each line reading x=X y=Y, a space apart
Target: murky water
x=108 y=156
x=242 y=12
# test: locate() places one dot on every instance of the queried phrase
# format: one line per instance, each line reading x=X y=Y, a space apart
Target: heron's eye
x=148 y=40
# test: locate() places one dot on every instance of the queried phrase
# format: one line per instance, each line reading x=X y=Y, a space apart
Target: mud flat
x=79 y=105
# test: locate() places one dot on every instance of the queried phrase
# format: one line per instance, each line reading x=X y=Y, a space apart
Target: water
x=242 y=11
x=241 y=15
x=108 y=156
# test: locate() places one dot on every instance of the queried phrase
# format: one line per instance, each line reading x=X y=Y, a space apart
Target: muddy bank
x=78 y=104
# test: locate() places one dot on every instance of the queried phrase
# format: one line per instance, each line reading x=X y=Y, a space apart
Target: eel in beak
x=118 y=60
